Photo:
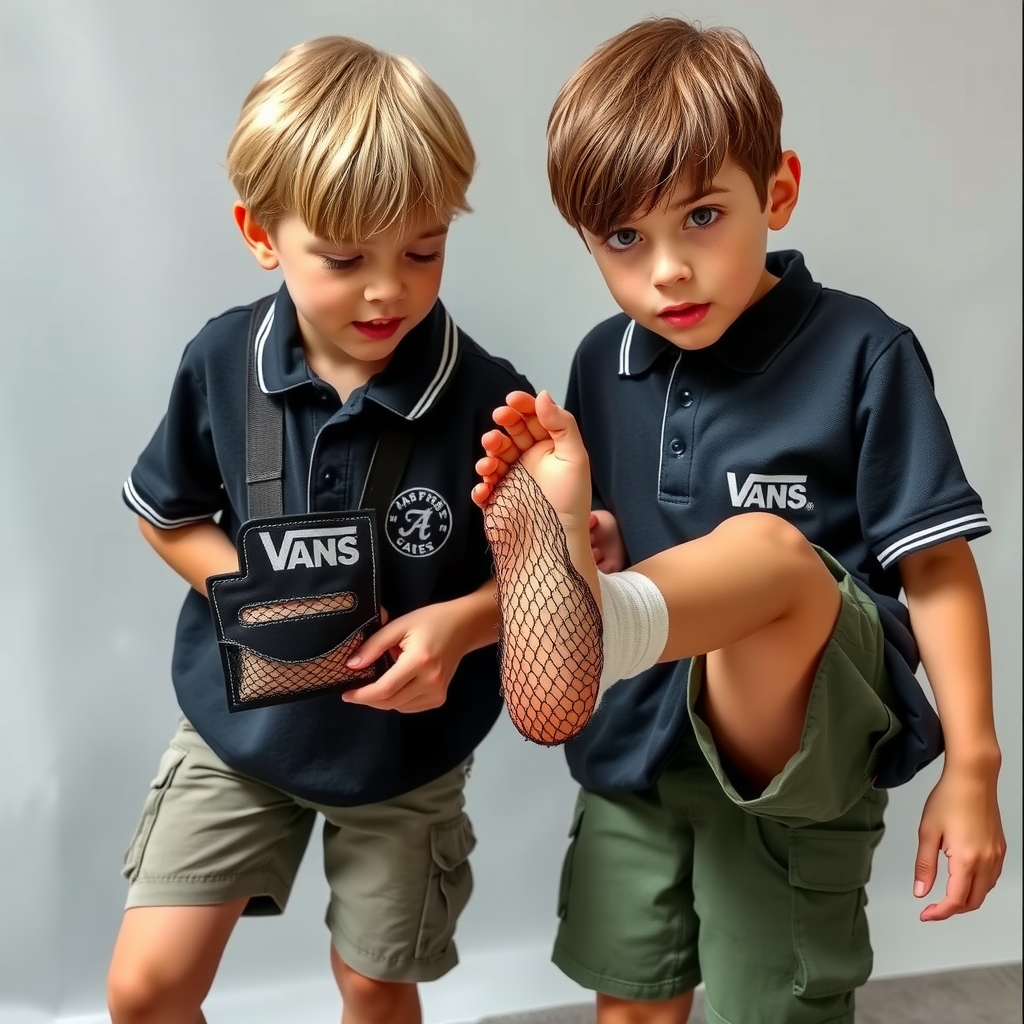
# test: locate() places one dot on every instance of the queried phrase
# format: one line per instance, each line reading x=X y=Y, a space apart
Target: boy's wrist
x=982 y=759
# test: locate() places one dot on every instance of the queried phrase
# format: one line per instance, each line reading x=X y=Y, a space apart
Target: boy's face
x=355 y=303
x=688 y=268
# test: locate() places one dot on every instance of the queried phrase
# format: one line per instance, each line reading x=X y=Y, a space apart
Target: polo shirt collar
x=756 y=336
x=419 y=371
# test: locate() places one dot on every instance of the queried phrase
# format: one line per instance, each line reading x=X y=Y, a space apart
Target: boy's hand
x=606 y=542
x=426 y=646
x=960 y=817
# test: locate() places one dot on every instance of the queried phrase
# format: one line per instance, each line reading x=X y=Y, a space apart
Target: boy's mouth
x=378 y=330
x=686 y=314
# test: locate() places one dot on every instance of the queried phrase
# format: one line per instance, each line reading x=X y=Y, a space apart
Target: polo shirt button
x=329 y=477
x=686 y=399
x=677 y=446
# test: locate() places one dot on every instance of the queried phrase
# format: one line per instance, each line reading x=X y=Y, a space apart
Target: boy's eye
x=702 y=217
x=333 y=263
x=624 y=239
x=419 y=257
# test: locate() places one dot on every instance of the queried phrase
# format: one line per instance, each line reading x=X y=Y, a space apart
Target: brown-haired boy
x=789 y=435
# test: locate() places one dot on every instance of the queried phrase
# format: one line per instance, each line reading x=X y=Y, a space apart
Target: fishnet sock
x=260 y=677
x=549 y=633
x=301 y=608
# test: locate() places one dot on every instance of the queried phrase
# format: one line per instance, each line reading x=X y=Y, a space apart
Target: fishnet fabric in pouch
x=549 y=636
x=304 y=601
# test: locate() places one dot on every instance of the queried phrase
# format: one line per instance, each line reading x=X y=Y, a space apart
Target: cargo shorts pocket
x=565 y=879
x=166 y=770
x=448 y=887
x=827 y=875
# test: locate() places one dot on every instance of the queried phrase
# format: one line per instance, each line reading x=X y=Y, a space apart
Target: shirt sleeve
x=177 y=480
x=911 y=489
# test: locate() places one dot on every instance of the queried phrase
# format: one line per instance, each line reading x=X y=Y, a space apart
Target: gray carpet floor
x=989 y=995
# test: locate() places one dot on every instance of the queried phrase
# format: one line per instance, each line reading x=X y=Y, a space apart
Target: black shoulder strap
x=386 y=468
x=264 y=428
x=264 y=443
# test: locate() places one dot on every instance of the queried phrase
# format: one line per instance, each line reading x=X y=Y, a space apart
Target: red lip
x=686 y=314
x=378 y=330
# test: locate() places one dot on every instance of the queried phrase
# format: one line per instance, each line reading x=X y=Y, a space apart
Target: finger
x=593 y=521
x=384 y=689
x=374 y=647
x=927 y=863
x=985 y=878
x=958 y=890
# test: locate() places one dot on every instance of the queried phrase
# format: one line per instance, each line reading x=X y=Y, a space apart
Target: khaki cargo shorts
x=398 y=871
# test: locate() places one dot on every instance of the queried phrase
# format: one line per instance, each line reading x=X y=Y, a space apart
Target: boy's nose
x=670 y=267
x=385 y=288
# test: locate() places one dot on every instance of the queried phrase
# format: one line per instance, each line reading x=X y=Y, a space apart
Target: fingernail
x=354 y=662
x=920 y=889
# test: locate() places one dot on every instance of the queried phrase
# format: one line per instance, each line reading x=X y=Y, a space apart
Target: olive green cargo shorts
x=763 y=900
x=398 y=871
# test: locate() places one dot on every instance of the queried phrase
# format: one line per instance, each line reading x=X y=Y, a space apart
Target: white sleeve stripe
x=968 y=524
x=974 y=518
x=149 y=513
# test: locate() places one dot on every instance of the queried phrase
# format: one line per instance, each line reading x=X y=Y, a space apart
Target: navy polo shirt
x=322 y=749
x=815 y=406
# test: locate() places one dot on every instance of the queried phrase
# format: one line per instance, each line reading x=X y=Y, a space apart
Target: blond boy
x=349 y=166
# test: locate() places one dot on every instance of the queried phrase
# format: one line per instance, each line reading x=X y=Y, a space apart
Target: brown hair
x=661 y=100
x=352 y=140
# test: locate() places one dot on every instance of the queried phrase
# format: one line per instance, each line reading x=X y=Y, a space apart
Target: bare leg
x=368 y=1001
x=611 y=1010
x=164 y=962
x=752 y=595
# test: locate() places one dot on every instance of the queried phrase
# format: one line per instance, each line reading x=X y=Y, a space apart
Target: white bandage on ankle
x=635 y=622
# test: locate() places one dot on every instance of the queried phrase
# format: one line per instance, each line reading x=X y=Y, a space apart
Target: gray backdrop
x=119 y=244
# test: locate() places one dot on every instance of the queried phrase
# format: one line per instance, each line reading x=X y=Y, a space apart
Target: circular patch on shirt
x=418 y=522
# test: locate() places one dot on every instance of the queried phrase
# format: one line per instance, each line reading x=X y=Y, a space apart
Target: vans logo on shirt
x=760 y=490
x=310 y=549
x=418 y=523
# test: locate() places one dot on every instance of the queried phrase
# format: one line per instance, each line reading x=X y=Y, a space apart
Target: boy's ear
x=783 y=191
x=257 y=238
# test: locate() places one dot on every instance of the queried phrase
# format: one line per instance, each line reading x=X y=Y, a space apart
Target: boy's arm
x=194 y=552
x=961 y=816
x=428 y=644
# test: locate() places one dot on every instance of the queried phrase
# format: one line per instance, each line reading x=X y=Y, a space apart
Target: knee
x=611 y=1010
x=134 y=996
x=148 y=989
x=778 y=543
x=764 y=528
x=373 y=999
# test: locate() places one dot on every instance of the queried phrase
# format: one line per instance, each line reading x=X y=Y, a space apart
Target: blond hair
x=351 y=140
x=663 y=100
